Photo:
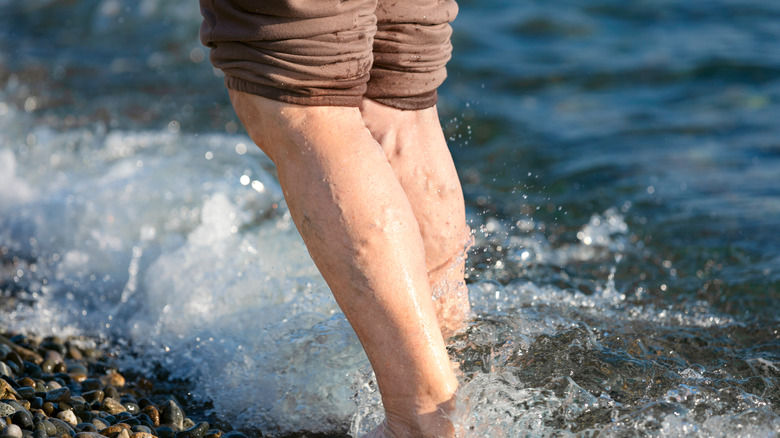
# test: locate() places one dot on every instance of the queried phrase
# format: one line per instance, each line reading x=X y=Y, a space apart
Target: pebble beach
x=52 y=387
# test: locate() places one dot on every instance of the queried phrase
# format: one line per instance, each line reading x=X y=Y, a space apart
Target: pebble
x=5 y=370
x=68 y=417
x=12 y=431
x=112 y=406
x=7 y=391
x=171 y=414
x=55 y=389
x=23 y=419
x=6 y=409
x=58 y=395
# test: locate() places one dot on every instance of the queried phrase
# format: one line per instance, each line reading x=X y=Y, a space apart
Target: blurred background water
x=620 y=161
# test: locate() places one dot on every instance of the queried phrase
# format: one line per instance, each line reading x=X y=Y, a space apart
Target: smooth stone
x=23 y=419
x=36 y=403
x=15 y=404
x=92 y=396
x=234 y=434
x=112 y=392
x=85 y=416
x=142 y=429
x=171 y=413
x=143 y=418
x=122 y=416
x=5 y=370
x=110 y=431
x=132 y=408
x=58 y=395
x=7 y=391
x=48 y=408
x=49 y=428
x=165 y=432
x=125 y=433
x=6 y=409
x=48 y=366
x=142 y=435
x=39 y=434
x=26 y=392
x=68 y=417
x=53 y=384
x=2 y=424
x=91 y=385
x=14 y=358
x=114 y=379
x=77 y=369
x=187 y=423
x=12 y=431
x=196 y=431
x=99 y=424
x=55 y=356
x=153 y=414
x=112 y=406
x=26 y=381
x=62 y=427
x=213 y=433
x=85 y=427
x=32 y=369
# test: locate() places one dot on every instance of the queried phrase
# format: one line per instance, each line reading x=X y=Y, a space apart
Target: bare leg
x=417 y=150
x=361 y=232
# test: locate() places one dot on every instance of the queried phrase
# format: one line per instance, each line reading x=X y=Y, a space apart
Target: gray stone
x=12 y=431
x=6 y=409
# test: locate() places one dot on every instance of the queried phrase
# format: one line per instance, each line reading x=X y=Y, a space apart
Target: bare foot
x=433 y=425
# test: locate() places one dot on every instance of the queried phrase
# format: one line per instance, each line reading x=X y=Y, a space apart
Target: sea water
x=620 y=164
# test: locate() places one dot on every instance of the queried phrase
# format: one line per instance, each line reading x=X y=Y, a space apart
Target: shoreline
x=72 y=388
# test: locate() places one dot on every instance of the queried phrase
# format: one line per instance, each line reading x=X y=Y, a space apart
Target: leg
x=361 y=232
x=414 y=144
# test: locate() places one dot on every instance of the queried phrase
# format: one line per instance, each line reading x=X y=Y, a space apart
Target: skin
x=374 y=194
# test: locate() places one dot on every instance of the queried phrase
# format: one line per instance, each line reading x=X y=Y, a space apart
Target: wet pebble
x=7 y=391
x=68 y=417
x=112 y=406
x=23 y=418
x=5 y=370
x=50 y=389
x=12 y=431
x=171 y=414
x=99 y=424
x=58 y=395
x=6 y=409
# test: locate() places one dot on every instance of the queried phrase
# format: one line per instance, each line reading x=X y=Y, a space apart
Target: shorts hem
x=280 y=95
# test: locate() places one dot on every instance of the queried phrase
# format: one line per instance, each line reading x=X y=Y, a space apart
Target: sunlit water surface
x=620 y=162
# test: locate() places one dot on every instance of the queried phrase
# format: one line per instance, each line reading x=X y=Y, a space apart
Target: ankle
x=434 y=423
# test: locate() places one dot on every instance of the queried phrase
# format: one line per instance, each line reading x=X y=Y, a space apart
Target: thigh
x=294 y=51
x=411 y=48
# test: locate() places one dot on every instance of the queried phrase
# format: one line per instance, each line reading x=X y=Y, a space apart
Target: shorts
x=332 y=52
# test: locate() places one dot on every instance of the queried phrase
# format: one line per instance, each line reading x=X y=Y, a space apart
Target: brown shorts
x=332 y=52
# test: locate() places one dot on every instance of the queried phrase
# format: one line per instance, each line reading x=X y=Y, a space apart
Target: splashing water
x=624 y=278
